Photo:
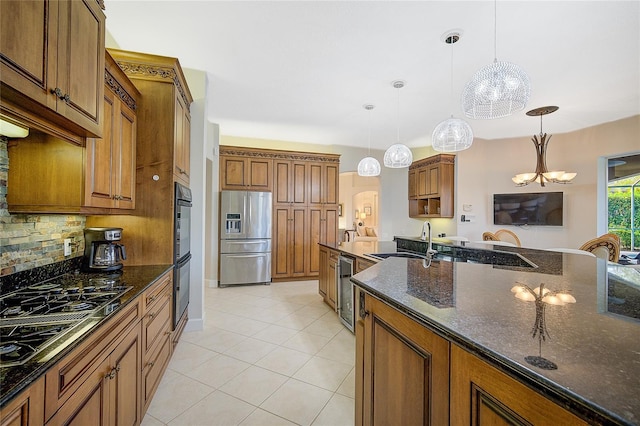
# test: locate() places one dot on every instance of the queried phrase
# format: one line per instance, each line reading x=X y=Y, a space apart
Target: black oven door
x=182 y=222
x=181 y=284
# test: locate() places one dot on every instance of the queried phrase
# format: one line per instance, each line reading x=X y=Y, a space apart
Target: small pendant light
x=398 y=155
x=452 y=134
x=369 y=166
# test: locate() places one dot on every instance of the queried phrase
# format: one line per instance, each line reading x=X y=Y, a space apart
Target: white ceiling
x=302 y=70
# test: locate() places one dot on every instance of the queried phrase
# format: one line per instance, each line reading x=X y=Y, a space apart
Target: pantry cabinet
x=431 y=187
x=290 y=241
x=290 y=183
x=323 y=183
x=110 y=176
x=52 y=61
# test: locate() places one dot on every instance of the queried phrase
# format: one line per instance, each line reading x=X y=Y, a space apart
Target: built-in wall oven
x=346 y=302
x=182 y=250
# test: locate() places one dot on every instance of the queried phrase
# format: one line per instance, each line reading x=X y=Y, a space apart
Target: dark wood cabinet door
x=299 y=244
x=80 y=56
x=280 y=243
x=125 y=397
x=406 y=370
x=484 y=396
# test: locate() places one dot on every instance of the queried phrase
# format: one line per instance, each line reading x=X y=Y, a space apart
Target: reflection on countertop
x=594 y=342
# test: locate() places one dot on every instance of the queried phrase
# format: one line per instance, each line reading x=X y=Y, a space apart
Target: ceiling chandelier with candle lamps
x=542 y=175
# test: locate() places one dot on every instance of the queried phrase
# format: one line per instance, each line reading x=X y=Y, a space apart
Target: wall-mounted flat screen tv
x=533 y=208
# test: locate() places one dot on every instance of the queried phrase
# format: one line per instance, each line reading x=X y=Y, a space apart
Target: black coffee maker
x=102 y=253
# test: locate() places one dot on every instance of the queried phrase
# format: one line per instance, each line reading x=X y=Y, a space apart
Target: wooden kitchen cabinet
x=327 y=278
x=110 y=171
x=290 y=242
x=99 y=382
x=323 y=183
x=405 y=369
x=164 y=120
x=25 y=409
x=305 y=202
x=245 y=173
x=290 y=182
x=99 y=178
x=156 y=335
x=52 y=61
x=323 y=229
x=431 y=187
x=483 y=395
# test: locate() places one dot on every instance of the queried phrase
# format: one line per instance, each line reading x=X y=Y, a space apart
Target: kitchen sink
x=382 y=256
x=493 y=258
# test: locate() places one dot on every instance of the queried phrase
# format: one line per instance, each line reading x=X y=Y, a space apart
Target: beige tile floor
x=268 y=355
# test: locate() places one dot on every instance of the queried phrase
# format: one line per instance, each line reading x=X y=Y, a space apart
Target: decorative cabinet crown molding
x=120 y=91
x=156 y=72
x=279 y=155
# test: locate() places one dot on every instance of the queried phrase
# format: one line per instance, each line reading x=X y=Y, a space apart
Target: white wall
x=487 y=167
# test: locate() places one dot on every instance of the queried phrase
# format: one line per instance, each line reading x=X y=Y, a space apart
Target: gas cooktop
x=34 y=317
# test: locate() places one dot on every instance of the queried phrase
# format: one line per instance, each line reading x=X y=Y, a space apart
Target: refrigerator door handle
x=247 y=242
x=245 y=255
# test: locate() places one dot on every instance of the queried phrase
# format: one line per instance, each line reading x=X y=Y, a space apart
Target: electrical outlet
x=67 y=246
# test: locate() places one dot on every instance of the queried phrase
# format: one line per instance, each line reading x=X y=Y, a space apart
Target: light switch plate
x=67 y=246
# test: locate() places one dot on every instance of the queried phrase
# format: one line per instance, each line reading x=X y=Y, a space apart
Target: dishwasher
x=346 y=301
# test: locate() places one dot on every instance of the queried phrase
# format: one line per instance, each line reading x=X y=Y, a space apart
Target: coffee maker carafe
x=101 y=250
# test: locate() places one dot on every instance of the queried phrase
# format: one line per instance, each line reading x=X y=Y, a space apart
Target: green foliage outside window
x=620 y=219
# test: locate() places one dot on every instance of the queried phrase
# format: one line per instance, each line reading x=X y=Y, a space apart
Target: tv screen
x=537 y=208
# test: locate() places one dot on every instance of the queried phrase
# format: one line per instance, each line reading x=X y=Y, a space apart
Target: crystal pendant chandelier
x=452 y=134
x=369 y=166
x=398 y=155
x=542 y=175
x=497 y=90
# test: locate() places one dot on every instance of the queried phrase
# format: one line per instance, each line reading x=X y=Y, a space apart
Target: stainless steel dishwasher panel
x=346 y=302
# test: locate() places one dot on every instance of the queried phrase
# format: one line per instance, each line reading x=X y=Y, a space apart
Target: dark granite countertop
x=595 y=342
x=14 y=379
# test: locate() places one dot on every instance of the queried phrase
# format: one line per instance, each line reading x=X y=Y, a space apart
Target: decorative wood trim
x=155 y=72
x=101 y=4
x=278 y=155
x=435 y=159
x=120 y=91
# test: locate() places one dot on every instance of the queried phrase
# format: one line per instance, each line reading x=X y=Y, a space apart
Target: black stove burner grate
x=34 y=317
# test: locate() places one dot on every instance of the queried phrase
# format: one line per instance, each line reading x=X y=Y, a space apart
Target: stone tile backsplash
x=28 y=241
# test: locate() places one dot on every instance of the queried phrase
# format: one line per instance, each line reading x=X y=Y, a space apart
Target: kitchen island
x=473 y=338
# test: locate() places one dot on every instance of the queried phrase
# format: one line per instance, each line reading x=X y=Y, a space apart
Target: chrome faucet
x=426 y=236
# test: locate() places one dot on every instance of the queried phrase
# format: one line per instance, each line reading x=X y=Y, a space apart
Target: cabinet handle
x=65 y=97
x=150 y=364
x=151 y=315
x=152 y=298
x=117 y=368
x=167 y=333
x=111 y=375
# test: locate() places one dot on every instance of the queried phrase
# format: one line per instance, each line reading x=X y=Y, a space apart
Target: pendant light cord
x=495 y=30
x=398 y=116
x=451 y=88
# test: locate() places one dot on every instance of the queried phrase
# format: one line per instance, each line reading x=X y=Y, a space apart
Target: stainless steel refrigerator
x=245 y=238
